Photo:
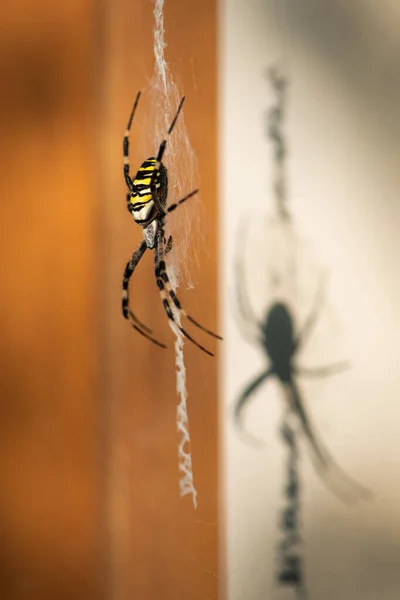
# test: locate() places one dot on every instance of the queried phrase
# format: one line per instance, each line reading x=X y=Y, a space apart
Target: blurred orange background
x=89 y=503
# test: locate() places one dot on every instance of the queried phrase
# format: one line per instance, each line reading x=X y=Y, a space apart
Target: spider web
x=163 y=99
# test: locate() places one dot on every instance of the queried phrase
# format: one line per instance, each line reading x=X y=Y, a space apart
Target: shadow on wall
x=280 y=343
x=359 y=42
x=354 y=554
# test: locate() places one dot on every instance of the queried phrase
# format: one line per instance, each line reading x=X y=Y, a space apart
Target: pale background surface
x=344 y=144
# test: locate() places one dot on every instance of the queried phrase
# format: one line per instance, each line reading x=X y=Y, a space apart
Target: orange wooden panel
x=161 y=548
x=50 y=466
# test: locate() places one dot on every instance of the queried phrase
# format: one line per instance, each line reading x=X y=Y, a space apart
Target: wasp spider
x=147 y=203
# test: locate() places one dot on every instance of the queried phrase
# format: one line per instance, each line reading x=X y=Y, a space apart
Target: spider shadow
x=281 y=344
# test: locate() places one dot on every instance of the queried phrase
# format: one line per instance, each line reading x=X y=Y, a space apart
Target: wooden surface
x=161 y=548
x=50 y=467
x=89 y=497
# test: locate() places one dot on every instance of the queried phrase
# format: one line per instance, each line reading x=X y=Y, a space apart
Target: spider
x=280 y=343
x=147 y=203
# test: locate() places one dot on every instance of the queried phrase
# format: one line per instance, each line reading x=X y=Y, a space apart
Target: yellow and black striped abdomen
x=143 y=208
x=141 y=183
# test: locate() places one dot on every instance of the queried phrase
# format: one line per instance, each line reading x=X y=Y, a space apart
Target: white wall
x=342 y=59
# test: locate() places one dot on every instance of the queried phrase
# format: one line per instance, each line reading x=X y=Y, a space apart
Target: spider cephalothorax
x=147 y=203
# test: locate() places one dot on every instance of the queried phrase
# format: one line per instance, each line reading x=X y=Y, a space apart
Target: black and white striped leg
x=178 y=305
x=127 y=313
x=159 y=157
x=126 y=144
x=176 y=204
x=169 y=244
x=163 y=144
x=167 y=293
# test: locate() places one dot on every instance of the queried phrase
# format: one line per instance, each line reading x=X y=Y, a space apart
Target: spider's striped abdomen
x=143 y=208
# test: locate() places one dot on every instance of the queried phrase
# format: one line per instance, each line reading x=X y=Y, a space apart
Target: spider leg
x=146 y=335
x=324 y=371
x=126 y=144
x=162 y=273
x=174 y=206
x=129 y=203
x=247 y=319
x=312 y=317
x=128 y=314
x=298 y=406
x=169 y=245
x=245 y=397
x=165 y=279
x=323 y=461
x=159 y=157
x=165 y=288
